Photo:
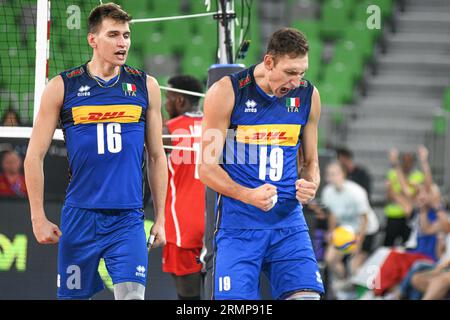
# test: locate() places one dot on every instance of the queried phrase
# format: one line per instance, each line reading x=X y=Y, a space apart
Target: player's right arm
x=218 y=106
x=41 y=137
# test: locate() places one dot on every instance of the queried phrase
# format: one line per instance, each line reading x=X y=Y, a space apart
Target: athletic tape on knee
x=304 y=296
x=129 y=291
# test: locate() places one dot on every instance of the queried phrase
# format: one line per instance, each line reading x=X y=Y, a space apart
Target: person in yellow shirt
x=402 y=185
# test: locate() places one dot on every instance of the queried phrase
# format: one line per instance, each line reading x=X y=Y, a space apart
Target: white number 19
x=275 y=161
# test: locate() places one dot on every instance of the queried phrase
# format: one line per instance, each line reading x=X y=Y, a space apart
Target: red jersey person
x=12 y=181
x=185 y=201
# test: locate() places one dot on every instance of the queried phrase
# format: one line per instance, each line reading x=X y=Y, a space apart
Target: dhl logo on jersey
x=269 y=134
x=124 y=113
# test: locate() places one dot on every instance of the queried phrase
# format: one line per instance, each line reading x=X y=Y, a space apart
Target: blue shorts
x=88 y=235
x=285 y=256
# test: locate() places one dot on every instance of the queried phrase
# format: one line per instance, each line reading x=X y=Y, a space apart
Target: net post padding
x=218 y=71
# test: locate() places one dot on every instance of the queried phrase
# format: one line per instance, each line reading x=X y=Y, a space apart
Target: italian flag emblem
x=129 y=87
x=293 y=102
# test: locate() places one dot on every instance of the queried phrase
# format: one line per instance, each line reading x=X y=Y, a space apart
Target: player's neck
x=261 y=79
x=102 y=69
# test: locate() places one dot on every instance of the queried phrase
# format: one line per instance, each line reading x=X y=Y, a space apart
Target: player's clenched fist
x=263 y=197
x=306 y=190
x=46 y=232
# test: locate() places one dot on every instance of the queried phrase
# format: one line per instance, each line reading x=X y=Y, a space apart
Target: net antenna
x=42 y=52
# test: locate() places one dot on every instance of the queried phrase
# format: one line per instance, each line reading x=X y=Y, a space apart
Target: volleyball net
x=42 y=38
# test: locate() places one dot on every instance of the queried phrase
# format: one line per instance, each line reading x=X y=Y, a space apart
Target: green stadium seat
x=196 y=63
x=177 y=33
x=157 y=45
x=137 y=8
x=144 y=32
x=335 y=17
x=347 y=52
x=314 y=60
x=311 y=28
x=363 y=38
x=201 y=43
x=159 y=8
x=446 y=100
x=338 y=74
x=206 y=27
x=332 y=100
x=440 y=125
x=329 y=95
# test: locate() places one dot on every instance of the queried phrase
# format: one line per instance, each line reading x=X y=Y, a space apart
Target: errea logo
x=250 y=106
x=318 y=277
x=83 y=91
x=140 y=271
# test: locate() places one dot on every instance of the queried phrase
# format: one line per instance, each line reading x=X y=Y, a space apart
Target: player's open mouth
x=120 y=54
x=284 y=90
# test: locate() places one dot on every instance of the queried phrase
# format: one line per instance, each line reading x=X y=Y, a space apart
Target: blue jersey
x=262 y=147
x=104 y=129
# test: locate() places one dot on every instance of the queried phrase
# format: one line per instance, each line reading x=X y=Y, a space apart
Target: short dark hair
x=107 y=10
x=12 y=111
x=288 y=41
x=189 y=83
x=344 y=152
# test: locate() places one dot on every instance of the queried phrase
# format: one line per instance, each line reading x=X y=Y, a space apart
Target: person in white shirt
x=348 y=204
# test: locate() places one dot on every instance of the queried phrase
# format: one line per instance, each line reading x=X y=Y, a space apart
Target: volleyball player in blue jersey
x=271 y=115
x=108 y=111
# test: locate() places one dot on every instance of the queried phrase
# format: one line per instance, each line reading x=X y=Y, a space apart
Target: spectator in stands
x=11 y=118
x=438 y=286
x=348 y=204
x=420 y=271
x=400 y=265
x=354 y=172
x=423 y=273
x=402 y=186
x=423 y=246
x=12 y=180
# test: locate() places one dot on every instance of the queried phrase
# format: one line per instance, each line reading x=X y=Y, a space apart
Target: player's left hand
x=306 y=190
x=157 y=235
